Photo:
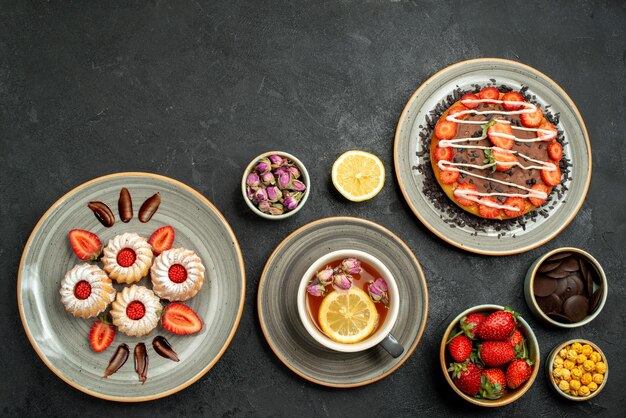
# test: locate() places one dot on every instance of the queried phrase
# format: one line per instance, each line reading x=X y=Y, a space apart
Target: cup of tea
x=348 y=301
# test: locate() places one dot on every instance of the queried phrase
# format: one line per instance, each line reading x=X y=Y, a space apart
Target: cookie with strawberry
x=495 y=155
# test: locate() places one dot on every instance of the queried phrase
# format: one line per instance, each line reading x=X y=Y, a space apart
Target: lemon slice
x=358 y=175
x=348 y=317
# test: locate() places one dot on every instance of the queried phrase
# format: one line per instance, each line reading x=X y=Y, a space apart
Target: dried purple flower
x=378 y=291
x=294 y=172
x=325 y=276
x=260 y=195
x=250 y=192
x=351 y=266
x=342 y=281
x=263 y=166
x=284 y=181
x=268 y=178
x=290 y=203
x=298 y=186
x=273 y=193
x=276 y=160
x=316 y=290
x=280 y=170
x=277 y=209
x=264 y=206
x=253 y=180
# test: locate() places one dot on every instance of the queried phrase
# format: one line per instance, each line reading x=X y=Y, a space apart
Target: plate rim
x=202 y=372
x=579 y=117
x=366 y=222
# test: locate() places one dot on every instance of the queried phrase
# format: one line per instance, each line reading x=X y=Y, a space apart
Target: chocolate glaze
x=517 y=175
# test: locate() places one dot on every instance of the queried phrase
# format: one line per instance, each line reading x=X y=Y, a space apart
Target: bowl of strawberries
x=489 y=355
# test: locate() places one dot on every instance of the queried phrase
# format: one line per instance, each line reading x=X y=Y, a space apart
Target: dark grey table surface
x=193 y=90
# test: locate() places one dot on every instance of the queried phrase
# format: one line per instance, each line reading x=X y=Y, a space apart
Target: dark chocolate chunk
x=545 y=267
x=595 y=299
x=570 y=264
x=576 y=308
x=559 y=318
x=559 y=256
x=550 y=304
x=558 y=273
x=544 y=286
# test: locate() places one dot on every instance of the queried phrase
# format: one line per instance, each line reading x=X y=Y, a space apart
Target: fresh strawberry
x=443 y=154
x=533 y=119
x=489 y=93
x=456 y=108
x=516 y=202
x=126 y=257
x=550 y=135
x=469 y=96
x=466 y=376
x=535 y=201
x=101 y=334
x=504 y=160
x=448 y=176
x=180 y=319
x=492 y=384
x=512 y=96
x=461 y=200
x=86 y=245
x=177 y=273
x=555 y=151
x=495 y=353
x=135 y=310
x=471 y=323
x=552 y=178
x=498 y=326
x=518 y=372
x=82 y=290
x=162 y=239
x=460 y=348
x=445 y=129
x=516 y=338
x=488 y=211
x=499 y=141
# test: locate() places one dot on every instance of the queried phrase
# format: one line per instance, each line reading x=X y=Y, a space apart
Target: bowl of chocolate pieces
x=566 y=287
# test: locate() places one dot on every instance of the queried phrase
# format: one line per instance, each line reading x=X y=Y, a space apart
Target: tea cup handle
x=392 y=346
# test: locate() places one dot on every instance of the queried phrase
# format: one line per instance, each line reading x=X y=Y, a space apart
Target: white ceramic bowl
x=381 y=332
x=305 y=179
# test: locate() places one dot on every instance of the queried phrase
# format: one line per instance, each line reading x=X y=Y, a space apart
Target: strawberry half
x=488 y=212
x=514 y=97
x=555 y=151
x=532 y=120
x=448 y=176
x=504 y=160
x=552 y=178
x=461 y=200
x=489 y=93
x=445 y=129
x=86 y=245
x=469 y=96
x=443 y=154
x=500 y=141
x=162 y=239
x=180 y=319
x=535 y=201
x=101 y=334
x=516 y=202
x=457 y=108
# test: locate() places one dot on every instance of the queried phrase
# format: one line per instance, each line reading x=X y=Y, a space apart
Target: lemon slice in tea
x=348 y=317
x=358 y=175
